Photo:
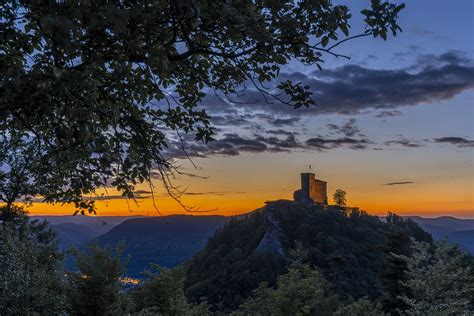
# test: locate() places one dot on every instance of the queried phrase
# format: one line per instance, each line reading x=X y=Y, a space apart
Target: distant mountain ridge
x=171 y=240
x=455 y=230
x=77 y=230
x=98 y=224
x=443 y=224
x=464 y=238
x=167 y=240
x=71 y=234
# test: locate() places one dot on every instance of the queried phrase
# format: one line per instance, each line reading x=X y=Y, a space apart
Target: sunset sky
x=394 y=127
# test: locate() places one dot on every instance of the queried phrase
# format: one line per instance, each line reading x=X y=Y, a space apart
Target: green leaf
x=324 y=41
x=344 y=29
x=280 y=59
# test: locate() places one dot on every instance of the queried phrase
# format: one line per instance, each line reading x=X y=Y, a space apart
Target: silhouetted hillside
x=440 y=226
x=168 y=240
x=98 y=224
x=70 y=234
x=345 y=245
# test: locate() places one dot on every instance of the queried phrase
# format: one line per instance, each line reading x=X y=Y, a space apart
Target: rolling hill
x=71 y=234
x=442 y=225
x=346 y=246
x=168 y=240
x=459 y=231
x=171 y=240
x=97 y=224
x=464 y=238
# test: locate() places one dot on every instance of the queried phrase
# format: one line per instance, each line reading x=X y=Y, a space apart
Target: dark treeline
x=334 y=262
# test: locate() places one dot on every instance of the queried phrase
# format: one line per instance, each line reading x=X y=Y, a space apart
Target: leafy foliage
x=228 y=269
x=343 y=245
x=409 y=227
x=300 y=291
x=339 y=198
x=362 y=307
x=96 y=289
x=440 y=280
x=94 y=93
x=17 y=175
x=303 y=290
x=163 y=294
x=396 y=251
x=30 y=269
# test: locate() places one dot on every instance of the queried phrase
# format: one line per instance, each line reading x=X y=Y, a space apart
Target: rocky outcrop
x=271 y=241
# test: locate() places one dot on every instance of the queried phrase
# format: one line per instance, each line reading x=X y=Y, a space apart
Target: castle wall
x=319 y=194
x=312 y=190
x=307 y=182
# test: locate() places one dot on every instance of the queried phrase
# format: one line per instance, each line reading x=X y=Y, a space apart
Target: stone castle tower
x=313 y=191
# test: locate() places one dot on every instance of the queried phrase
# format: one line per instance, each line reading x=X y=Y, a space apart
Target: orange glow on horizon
x=237 y=206
x=240 y=185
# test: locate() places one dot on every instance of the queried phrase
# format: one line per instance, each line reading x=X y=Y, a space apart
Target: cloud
x=456 y=141
x=451 y=57
x=244 y=144
x=323 y=144
x=351 y=89
x=192 y=175
x=370 y=56
x=214 y=193
x=281 y=132
x=405 y=143
x=384 y=114
x=399 y=183
x=278 y=144
x=452 y=140
x=138 y=196
x=258 y=126
x=105 y=198
x=232 y=120
x=349 y=129
x=281 y=122
x=229 y=144
x=142 y=192
x=232 y=144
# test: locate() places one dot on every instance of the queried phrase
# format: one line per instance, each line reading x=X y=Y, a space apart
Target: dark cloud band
x=398 y=183
x=351 y=89
x=456 y=141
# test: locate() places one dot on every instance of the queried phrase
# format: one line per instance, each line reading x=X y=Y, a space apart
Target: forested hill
x=168 y=240
x=347 y=246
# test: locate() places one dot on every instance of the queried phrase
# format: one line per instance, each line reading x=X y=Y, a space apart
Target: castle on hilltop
x=313 y=191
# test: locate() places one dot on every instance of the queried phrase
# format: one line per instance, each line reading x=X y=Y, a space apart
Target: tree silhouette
x=396 y=250
x=100 y=88
x=339 y=197
x=96 y=289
